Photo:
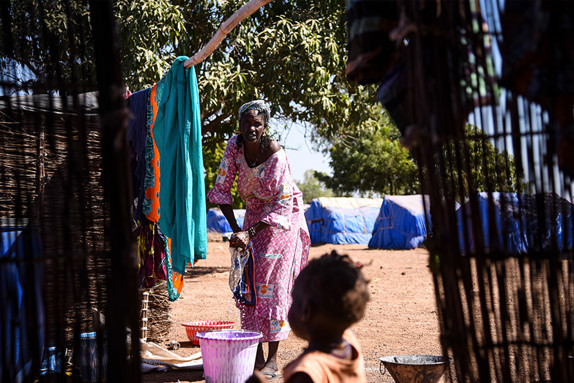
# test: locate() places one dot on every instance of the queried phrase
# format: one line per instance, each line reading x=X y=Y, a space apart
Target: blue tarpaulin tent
x=518 y=227
x=21 y=316
x=400 y=223
x=216 y=221
x=342 y=220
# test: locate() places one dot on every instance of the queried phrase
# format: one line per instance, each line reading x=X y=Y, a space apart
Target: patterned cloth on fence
x=151 y=253
x=281 y=250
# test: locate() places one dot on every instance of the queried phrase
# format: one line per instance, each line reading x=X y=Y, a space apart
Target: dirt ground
x=401 y=317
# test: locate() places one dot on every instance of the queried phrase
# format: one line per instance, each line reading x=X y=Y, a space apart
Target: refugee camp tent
x=401 y=223
x=342 y=220
x=216 y=221
x=517 y=224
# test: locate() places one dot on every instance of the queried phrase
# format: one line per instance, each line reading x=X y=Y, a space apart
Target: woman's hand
x=239 y=239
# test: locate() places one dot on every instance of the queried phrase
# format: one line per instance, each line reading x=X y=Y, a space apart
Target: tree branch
x=239 y=15
x=210 y=126
x=206 y=114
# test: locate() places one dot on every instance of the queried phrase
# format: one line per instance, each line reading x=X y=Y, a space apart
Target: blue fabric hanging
x=138 y=104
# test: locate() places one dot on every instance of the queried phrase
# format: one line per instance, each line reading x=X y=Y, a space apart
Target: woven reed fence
x=506 y=312
x=65 y=199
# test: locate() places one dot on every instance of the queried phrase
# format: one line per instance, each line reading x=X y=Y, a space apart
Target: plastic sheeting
x=518 y=227
x=342 y=220
x=400 y=223
x=216 y=221
x=21 y=297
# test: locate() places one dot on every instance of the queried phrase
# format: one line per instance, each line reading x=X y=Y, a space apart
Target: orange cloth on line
x=152 y=193
x=176 y=278
x=328 y=368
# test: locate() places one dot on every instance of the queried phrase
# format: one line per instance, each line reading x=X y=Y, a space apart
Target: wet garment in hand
x=281 y=250
x=242 y=275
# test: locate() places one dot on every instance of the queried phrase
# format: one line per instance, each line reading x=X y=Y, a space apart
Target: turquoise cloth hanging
x=177 y=132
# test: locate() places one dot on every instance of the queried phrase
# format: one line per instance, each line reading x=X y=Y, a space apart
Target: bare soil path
x=401 y=317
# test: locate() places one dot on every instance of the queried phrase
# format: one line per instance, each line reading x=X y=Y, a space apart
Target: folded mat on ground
x=152 y=353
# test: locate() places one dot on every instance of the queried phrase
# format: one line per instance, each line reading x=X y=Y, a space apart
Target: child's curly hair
x=337 y=287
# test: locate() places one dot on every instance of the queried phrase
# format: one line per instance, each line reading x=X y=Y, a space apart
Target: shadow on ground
x=200 y=271
x=174 y=376
x=189 y=344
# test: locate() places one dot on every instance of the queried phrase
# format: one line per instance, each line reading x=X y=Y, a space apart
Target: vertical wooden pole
x=123 y=299
x=145 y=305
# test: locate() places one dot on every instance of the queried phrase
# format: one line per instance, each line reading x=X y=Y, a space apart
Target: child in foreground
x=329 y=295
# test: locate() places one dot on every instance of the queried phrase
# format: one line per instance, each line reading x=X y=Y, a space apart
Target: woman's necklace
x=253 y=164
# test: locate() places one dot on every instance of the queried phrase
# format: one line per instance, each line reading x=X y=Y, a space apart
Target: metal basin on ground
x=414 y=368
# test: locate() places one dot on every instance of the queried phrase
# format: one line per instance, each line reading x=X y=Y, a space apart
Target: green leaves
x=373 y=162
x=291 y=53
x=149 y=33
x=312 y=188
x=479 y=166
x=48 y=39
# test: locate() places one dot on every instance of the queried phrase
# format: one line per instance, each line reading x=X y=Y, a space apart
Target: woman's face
x=252 y=125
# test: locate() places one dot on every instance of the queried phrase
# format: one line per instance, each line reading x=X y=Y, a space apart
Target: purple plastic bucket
x=228 y=356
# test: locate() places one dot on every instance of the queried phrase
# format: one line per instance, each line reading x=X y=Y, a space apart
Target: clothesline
x=226 y=27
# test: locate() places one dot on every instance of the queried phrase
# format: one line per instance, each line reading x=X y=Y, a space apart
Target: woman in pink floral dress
x=274 y=223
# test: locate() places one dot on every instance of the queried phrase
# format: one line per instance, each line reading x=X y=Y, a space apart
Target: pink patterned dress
x=281 y=250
